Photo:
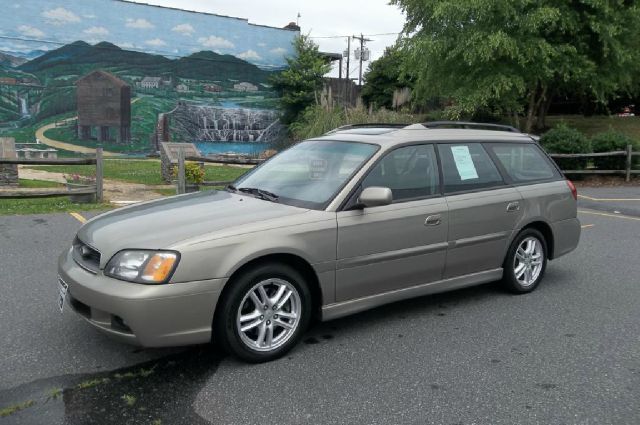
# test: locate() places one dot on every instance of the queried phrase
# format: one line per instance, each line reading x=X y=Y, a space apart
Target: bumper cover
x=147 y=315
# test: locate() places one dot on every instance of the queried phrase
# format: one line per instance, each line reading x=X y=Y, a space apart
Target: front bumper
x=148 y=315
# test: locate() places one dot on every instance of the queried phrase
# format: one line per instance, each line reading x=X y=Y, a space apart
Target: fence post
x=181 y=173
x=99 y=175
x=628 y=168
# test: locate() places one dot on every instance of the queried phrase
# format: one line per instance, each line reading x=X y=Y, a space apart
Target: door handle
x=513 y=206
x=433 y=220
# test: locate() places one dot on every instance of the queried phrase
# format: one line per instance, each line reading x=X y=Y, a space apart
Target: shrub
x=317 y=120
x=564 y=139
x=193 y=172
x=609 y=141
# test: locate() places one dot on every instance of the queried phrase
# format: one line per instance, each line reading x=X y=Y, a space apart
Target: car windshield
x=308 y=174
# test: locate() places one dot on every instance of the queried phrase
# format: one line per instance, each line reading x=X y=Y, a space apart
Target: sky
x=319 y=18
x=36 y=26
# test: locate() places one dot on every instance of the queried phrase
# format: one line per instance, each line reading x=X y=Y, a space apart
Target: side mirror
x=375 y=196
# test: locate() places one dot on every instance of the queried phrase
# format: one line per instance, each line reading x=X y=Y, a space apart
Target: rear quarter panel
x=553 y=204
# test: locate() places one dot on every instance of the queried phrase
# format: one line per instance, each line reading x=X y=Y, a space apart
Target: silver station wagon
x=357 y=218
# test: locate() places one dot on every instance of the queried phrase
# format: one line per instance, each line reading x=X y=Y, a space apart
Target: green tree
x=383 y=77
x=299 y=83
x=513 y=56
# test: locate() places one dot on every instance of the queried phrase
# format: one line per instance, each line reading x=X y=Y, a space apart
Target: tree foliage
x=298 y=84
x=383 y=77
x=513 y=56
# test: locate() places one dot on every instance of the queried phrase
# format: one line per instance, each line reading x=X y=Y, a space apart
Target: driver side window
x=410 y=172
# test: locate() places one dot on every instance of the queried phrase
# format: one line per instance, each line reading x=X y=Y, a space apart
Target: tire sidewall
x=224 y=325
x=509 y=273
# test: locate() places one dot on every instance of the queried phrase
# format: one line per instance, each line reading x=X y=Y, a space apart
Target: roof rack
x=366 y=125
x=469 y=124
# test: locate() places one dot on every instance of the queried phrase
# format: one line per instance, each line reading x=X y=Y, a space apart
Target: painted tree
x=513 y=56
x=299 y=83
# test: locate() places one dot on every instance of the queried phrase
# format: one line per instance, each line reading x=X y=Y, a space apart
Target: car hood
x=162 y=223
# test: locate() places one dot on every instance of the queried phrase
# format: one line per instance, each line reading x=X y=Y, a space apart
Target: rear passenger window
x=410 y=172
x=467 y=166
x=524 y=162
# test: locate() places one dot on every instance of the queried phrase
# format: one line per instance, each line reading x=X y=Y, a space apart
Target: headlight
x=143 y=266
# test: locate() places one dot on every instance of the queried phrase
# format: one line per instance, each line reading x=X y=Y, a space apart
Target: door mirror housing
x=375 y=196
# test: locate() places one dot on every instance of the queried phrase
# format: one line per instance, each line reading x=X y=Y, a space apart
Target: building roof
x=152 y=79
x=103 y=74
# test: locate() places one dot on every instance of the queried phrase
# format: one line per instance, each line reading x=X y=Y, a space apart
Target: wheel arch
x=292 y=260
x=544 y=228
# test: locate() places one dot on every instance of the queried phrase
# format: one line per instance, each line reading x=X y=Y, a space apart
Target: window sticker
x=318 y=169
x=464 y=162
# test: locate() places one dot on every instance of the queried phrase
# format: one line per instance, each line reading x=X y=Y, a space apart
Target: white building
x=151 y=82
x=182 y=88
x=244 y=86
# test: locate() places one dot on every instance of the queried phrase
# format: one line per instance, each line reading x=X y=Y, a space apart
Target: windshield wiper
x=260 y=193
x=231 y=188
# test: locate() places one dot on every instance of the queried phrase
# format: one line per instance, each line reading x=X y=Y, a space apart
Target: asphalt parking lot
x=568 y=353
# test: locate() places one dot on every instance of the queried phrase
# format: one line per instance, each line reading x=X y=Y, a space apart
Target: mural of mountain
x=204 y=65
x=10 y=61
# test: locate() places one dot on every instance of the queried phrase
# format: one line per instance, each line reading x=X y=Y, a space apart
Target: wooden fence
x=181 y=182
x=627 y=171
x=96 y=189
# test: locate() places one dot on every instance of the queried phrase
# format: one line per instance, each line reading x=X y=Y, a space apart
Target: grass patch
x=38 y=183
x=10 y=410
x=598 y=124
x=54 y=393
x=92 y=383
x=145 y=171
x=45 y=206
x=129 y=399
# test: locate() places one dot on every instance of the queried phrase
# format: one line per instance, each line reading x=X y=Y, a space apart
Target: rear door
x=483 y=209
x=394 y=246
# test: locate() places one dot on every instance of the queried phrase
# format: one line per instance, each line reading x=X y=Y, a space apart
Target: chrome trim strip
x=336 y=310
x=390 y=255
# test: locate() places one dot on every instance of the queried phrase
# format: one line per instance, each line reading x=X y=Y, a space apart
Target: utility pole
x=348 y=54
x=362 y=55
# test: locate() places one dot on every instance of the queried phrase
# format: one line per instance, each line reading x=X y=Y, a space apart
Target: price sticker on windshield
x=318 y=169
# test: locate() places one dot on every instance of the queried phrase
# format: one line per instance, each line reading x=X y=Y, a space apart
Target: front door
x=395 y=246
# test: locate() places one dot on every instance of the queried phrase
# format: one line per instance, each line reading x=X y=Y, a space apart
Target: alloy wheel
x=269 y=315
x=528 y=261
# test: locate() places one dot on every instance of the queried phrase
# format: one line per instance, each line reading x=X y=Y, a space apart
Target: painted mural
x=126 y=76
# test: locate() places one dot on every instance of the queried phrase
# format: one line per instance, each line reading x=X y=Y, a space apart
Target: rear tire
x=264 y=313
x=526 y=262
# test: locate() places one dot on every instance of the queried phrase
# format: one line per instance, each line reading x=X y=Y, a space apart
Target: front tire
x=264 y=314
x=526 y=262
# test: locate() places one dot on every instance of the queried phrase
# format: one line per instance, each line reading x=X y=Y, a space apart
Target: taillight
x=574 y=191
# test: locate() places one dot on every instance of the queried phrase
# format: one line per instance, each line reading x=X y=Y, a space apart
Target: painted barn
x=104 y=102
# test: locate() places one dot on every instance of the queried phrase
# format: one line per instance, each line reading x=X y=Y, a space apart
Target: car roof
x=390 y=135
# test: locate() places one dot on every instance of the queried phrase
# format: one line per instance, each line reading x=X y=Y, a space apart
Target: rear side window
x=523 y=162
x=467 y=166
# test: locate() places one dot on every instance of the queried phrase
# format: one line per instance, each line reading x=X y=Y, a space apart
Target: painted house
x=212 y=88
x=151 y=83
x=244 y=86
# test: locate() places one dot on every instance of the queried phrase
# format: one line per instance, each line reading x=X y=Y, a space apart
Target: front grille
x=87 y=257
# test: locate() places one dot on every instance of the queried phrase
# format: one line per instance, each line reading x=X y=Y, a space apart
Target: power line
x=365 y=35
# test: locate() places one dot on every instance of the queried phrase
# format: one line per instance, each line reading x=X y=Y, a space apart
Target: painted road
x=569 y=353
x=70 y=146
